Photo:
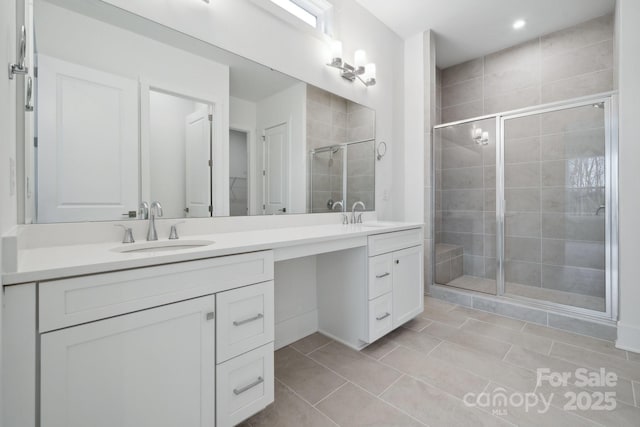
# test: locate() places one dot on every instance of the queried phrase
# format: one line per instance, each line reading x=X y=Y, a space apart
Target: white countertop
x=56 y=262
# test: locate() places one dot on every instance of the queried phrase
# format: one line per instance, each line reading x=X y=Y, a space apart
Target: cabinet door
x=408 y=285
x=151 y=368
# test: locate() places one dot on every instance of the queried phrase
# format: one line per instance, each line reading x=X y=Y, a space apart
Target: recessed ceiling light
x=520 y=23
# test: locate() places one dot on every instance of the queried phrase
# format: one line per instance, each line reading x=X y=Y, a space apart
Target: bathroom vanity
x=137 y=119
x=102 y=335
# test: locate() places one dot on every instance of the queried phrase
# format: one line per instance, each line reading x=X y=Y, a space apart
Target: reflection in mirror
x=179 y=155
x=238 y=176
x=129 y=112
x=340 y=144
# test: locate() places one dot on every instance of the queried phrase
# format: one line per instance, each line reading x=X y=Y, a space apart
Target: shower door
x=464 y=156
x=327 y=178
x=555 y=230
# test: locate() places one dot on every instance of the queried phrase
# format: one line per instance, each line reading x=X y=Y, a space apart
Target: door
x=408 y=285
x=557 y=196
x=151 y=368
x=198 y=167
x=87 y=143
x=276 y=170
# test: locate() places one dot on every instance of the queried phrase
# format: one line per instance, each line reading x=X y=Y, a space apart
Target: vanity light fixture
x=479 y=136
x=361 y=70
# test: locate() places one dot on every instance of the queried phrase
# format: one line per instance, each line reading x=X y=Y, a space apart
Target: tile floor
x=419 y=374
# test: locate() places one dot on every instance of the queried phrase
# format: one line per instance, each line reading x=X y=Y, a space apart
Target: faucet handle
x=345 y=219
x=128 y=234
x=173 y=234
x=359 y=221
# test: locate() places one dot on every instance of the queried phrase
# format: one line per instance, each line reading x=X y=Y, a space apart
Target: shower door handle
x=600 y=208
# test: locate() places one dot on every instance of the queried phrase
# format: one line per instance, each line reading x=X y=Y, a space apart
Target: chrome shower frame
x=610 y=102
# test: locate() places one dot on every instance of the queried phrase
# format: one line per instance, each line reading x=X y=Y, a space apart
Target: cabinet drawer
x=245 y=320
x=389 y=242
x=244 y=386
x=380 y=273
x=380 y=316
x=84 y=299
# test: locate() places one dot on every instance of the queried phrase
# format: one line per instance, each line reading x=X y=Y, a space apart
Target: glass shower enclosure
x=525 y=206
x=342 y=173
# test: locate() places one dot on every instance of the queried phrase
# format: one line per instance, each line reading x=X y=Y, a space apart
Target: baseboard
x=628 y=337
x=291 y=330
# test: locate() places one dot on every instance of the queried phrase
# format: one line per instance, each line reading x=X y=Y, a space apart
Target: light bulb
x=336 y=50
x=370 y=70
x=360 y=58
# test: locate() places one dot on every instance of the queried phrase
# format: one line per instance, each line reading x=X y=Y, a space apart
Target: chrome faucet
x=143 y=210
x=340 y=203
x=155 y=209
x=353 y=212
x=600 y=208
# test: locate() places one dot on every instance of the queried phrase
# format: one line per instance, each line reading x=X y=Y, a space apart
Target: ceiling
x=468 y=29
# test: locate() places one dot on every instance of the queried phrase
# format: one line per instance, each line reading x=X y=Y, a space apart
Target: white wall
x=270 y=41
x=76 y=38
x=288 y=106
x=414 y=125
x=628 y=15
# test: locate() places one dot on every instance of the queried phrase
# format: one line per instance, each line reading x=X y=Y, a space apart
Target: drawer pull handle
x=384 y=316
x=251 y=319
x=238 y=391
x=382 y=275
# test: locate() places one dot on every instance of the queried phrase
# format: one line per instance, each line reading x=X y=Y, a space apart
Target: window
x=314 y=15
x=298 y=11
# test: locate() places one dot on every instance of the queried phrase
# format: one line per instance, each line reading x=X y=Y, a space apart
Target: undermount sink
x=162 y=246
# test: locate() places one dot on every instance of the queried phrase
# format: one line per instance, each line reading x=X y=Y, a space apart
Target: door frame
x=251 y=170
x=178 y=90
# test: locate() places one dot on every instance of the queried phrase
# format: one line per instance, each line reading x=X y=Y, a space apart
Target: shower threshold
x=517 y=290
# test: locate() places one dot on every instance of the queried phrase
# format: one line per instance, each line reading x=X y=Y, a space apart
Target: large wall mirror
x=128 y=112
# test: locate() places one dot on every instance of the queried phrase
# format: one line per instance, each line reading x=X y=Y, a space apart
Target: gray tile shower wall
x=573 y=62
x=554 y=181
x=333 y=120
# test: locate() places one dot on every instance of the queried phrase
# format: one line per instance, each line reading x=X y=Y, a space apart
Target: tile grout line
x=387 y=353
x=307 y=402
x=384 y=401
x=504 y=358
x=523 y=327
x=330 y=394
x=391 y=385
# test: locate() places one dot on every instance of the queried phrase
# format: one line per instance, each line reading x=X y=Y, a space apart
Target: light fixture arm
x=352 y=72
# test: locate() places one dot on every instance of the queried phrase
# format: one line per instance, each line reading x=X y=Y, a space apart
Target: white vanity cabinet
x=395 y=281
x=138 y=347
x=366 y=292
x=154 y=367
